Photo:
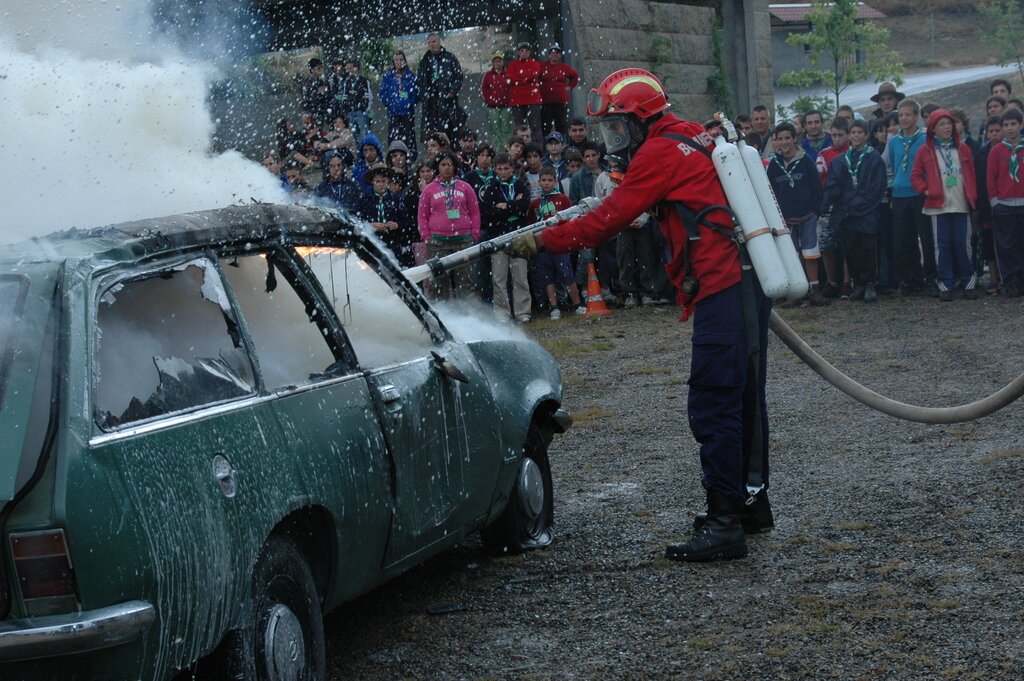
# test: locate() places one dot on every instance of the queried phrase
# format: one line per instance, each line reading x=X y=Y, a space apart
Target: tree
x=1005 y=31
x=842 y=50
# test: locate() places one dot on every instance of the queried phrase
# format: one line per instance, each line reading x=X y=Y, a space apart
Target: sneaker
x=817 y=299
x=946 y=296
x=870 y=295
x=524 y=319
x=845 y=292
x=556 y=314
x=629 y=302
x=970 y=294
x=857 y=293
x=609 y=297
x=647 y=301
x=932 y=289
x=830 y=290
x=582 y=309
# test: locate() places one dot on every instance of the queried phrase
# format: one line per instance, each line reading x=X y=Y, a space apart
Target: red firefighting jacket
x=665 y=169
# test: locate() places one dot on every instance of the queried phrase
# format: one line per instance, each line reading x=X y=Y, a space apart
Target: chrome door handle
x=389 y=394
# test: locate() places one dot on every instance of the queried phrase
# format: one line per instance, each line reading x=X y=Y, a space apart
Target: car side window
x=380 y=325
x=290 y=347
x=167 y=342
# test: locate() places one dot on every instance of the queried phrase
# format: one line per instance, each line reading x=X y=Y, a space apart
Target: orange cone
x=595 y=302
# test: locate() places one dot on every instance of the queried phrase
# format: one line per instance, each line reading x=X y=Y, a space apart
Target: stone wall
x=615 y=34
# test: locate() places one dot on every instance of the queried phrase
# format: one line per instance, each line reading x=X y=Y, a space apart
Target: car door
x=154 y=506
x=435 y=424
x=335 y=450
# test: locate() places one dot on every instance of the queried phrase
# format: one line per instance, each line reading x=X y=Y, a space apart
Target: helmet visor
x=615 y=130
x=597 y=104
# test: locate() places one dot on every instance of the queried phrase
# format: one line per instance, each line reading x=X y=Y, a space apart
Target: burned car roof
x=140 y=239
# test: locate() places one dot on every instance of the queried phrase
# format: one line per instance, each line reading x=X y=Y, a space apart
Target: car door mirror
x=448 y=369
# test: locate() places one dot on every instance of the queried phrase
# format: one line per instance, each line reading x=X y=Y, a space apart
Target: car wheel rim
x=531 y=489
x=283 y=644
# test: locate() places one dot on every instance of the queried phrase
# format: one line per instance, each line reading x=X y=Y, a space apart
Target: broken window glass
x=290 y=346
x=381 y=327
x=166 y=343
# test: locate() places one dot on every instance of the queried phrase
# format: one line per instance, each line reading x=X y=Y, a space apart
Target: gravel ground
x=896 y=552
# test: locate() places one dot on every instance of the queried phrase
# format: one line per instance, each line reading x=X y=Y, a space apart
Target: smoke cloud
x=105 y=120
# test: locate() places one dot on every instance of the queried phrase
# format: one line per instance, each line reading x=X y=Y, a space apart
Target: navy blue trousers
x=727 y=389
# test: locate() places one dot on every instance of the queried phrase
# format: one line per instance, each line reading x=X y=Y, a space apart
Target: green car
x=219 y=426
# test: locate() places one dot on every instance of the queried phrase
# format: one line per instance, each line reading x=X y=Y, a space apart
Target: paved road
x=859 y=94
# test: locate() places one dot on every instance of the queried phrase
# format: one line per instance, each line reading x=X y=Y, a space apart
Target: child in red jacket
x=553 y=269
x=944 y=173
x=1006 y=195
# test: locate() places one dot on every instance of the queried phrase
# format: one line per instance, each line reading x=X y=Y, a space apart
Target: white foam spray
x=104 y=121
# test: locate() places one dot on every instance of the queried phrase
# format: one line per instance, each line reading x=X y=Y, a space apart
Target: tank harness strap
x=692 y=222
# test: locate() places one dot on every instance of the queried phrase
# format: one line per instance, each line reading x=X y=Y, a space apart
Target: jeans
x=953 y=258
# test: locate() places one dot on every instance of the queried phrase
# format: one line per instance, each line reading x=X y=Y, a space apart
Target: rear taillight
x=44 y=573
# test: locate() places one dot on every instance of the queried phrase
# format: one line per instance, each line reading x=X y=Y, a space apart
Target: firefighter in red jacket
x=524 y=91
x=669 y=170
x=556 y=79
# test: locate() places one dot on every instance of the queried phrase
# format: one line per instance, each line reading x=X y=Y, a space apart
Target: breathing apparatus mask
x=622 y=135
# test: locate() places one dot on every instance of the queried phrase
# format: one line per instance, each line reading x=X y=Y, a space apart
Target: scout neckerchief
x=849 y=161
x=817 y=145
x=907 y=142
x=508 y=192
x=449 y=198
x=946 y=149
x=484 y=179
x=779 y=161
x=547 y=206
x=381 y=206
x=1014 y=160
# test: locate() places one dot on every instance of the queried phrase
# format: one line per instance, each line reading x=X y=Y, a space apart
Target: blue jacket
x=361 y=165
x=343 y=194
x=899 y=161
x=809 y=149
x=855 y=203
x=801 y=198
x=391 y=93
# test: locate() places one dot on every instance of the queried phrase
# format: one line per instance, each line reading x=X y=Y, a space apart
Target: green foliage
x=805 y=103
x=833 y=44
x=1004 y=30
x=661 y=54
x=718 y=82
x=376 y=56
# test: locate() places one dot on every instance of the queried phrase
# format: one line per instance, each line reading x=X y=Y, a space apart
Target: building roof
x=796 y=12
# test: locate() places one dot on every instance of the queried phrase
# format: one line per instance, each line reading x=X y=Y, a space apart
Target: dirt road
x=896 y=552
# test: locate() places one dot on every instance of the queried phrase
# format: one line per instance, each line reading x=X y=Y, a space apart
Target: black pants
x=860 y=251
x=910 y=227
x=530 y=115
x=403 y=128
x=555 y=117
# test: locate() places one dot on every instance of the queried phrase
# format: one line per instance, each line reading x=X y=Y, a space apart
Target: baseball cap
x=554 y=135
x=523 y=44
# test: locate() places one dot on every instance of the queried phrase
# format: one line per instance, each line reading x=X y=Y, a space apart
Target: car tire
x=527 y=520
x=283 y=634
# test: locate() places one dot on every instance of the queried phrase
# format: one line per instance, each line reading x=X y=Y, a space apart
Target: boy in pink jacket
x=449 y=221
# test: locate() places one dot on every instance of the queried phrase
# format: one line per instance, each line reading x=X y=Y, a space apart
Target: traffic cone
x=595 y=301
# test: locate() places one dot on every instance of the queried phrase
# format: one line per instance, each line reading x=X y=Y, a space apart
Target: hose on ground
x=901 y=410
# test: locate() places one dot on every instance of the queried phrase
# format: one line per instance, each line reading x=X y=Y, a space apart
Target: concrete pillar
x=747 y=53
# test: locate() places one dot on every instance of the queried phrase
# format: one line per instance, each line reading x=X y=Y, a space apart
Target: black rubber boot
x=720 y=536
x=756 y=515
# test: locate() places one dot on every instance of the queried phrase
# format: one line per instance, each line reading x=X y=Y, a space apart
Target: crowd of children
x=906 y=201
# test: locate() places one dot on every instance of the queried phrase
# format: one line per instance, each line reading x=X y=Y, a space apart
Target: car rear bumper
x=77 y=632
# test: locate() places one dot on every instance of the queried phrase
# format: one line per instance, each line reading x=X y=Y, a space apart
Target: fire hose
x=436 y=267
